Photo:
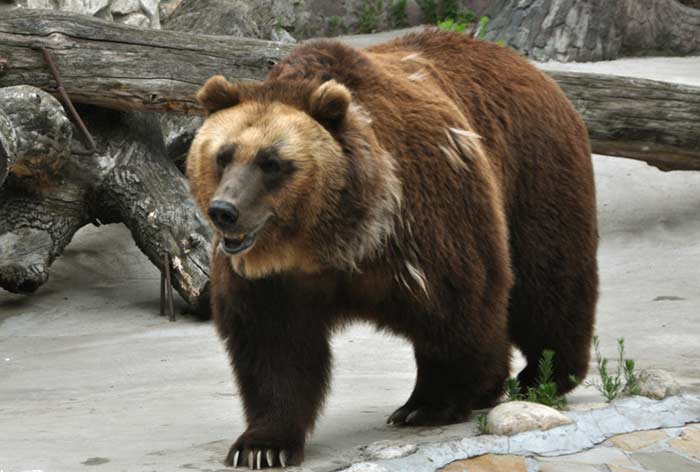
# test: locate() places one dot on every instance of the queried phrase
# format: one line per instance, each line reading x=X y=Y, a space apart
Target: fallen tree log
x=125 y=68
x=647 y=120
x=51 y=192
x=122 y=67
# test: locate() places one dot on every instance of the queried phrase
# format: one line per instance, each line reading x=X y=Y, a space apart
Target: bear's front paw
x=259 y=450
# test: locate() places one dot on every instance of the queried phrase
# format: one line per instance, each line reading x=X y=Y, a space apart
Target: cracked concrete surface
x=91 y=376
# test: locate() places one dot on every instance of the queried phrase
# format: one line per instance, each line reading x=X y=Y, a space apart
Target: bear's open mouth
x=238 y=244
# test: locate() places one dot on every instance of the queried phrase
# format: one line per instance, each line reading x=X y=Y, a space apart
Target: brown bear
x=436 y=185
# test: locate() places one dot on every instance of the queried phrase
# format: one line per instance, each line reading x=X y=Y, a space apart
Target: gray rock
x=516 y=417
x=124 y=7
x=44 y=4
x=281 y=35
x=390 y=450
x=166 y=8
x=150 y=7
x=86 y=7
x=231 y=18
x=136 y=19
x=657 y=384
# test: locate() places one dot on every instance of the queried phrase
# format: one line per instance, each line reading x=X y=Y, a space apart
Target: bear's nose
x=223 y=214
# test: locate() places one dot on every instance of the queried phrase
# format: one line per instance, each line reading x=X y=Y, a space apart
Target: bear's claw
x=255 y=459
x=422 y=415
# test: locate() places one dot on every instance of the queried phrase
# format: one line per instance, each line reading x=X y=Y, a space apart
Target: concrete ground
x=91 y=376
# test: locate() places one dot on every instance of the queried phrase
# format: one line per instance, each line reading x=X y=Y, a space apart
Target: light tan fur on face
x=298 y=205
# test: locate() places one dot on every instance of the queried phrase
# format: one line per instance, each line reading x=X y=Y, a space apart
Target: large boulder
x=516 y=417
x=218 y=17
x=657 y=384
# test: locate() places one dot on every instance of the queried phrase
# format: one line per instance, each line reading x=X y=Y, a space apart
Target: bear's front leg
x=279 y=350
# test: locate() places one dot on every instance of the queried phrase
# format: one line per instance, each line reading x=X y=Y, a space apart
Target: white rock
x=86 y=7
x=151 y=7
x=657 y=384
x=516 y=417
x=390 y=450
x=124 y=7
x=136 y=19
x=281 y=35
x=46 y=4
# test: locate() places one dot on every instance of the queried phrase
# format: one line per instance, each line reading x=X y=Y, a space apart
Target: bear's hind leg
x=554 y=311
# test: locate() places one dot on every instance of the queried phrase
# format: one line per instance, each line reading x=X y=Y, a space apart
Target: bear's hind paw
x=417 y=415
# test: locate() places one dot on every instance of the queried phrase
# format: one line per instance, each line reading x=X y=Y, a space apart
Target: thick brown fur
x=447 y=196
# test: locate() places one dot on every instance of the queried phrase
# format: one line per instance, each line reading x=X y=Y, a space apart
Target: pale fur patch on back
x=462 y=144
x=418 y=275
x=418 y=76
x=468 y=141
x=411 y=57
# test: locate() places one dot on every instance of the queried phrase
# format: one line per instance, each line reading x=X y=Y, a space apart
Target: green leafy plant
x=397 y=14
x=369 y=16
x=622 y=380
x=481 y=27
x=450 y=25
x=546 y=390
x=482 y=424
x=513 y=390
x=631 y=380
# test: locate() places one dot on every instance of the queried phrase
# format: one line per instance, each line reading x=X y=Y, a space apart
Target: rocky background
x=562 y=30
x=267 y=19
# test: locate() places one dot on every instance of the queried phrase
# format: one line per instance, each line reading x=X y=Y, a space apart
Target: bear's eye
x=225 y=156
x=268 y=161
x=270 y=166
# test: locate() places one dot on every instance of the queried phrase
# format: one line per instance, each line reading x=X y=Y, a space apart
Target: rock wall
x=268 y=19
x=140 y=13
x=595 y=30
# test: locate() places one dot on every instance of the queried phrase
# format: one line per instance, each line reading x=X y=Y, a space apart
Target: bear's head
x=291 y=176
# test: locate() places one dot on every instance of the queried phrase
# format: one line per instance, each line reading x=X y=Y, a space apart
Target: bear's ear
x=329 y=103
x=217 y=93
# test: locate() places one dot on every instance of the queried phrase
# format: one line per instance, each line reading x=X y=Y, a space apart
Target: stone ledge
x=589 y=429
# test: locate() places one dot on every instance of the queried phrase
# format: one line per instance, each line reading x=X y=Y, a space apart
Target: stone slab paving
x=662 y=450
x=597 y=440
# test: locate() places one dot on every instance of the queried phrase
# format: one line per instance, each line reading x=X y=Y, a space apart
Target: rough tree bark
x=135 y=79
x=647 y=120
x=593 y=30
x=40 y=210
x=125 y=68
x=8 y=145
x=128 y=180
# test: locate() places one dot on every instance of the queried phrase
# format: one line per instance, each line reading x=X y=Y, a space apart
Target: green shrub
x=482 y=424
x=546 y=390
x=369 y=16
x=397 y=14
x=450 y=25
x=622 y=380
x=429 y=9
